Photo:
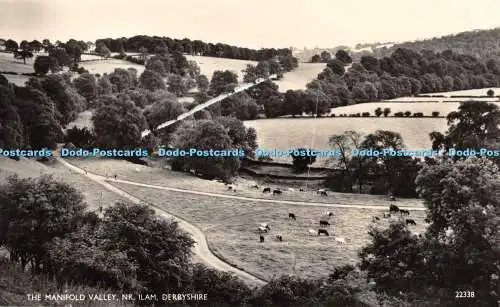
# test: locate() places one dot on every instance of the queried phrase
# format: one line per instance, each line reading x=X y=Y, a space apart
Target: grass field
x=474 y=92
x=298 y=78
x=230 y=227
x=108 y=66
x=165 y=177
x=288 y=133
x=93 y=192
x=425 y=107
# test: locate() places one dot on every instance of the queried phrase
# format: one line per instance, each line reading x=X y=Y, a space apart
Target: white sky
x=252 y=23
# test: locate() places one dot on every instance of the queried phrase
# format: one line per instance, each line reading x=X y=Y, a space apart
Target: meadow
x=285 y=133
x=231 y=230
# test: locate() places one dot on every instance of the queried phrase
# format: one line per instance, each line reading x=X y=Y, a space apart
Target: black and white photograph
x=318 y=153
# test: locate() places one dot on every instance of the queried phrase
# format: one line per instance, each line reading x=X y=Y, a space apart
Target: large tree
x=11 y=128
x=222 y=82
x=152 y=81
x=118 y=124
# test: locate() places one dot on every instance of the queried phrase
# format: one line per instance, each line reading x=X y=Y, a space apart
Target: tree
x=222 y=82
x=151 y=80
x=378 y=112
x=490 y=93
x=387 y=111
x=203 y=83
x=163 y=111
x=369 y=63
x=273 y=107
x=157 y=66
x=301 y=159
x=118 y=124
x=316 y=58
x=86 y=85
x=177 y=85
x=104 y=86
x=352 y=167
x=11 y=129
x=250 y=74
x=81 y=138
x=475 y=125
x=102 y=50
x=206 y=135
x=343 y=56
x=325 y=56
x=240 y=105
x=293 y=102
x=241 y=137
x=317 y=102
x=11 y=45
x=33 y=213
x=121 y=78
x=336 y=66
x=43 y=64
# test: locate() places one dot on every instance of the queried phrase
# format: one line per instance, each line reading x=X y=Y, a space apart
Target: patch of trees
x=143 y=43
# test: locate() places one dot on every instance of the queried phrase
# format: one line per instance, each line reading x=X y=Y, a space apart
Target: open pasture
x=94 y=193
x=231 y=230
x=285 y=133
x=298 y=78
x=167 y=178
x=108 y=66
x=8 y=63
x=210 y=64
x=473 y=92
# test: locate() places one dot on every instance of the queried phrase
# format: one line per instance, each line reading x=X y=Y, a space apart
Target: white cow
x=340 y=240
x=312 y=232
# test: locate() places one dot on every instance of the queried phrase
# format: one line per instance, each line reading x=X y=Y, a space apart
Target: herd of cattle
x=321 y=192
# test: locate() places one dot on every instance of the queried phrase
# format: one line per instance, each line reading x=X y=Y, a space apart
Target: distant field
x=475 y=92
x=298 y=78
x=18 y=80
x=288 y=133
x=210 y=64
x=425 y=107
x=8 y=63
x=440 y=99
x=108 y=66
x=230 y=227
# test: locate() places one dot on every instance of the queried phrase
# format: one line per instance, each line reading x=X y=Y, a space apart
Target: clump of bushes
x=407 y=113
x=365 y=114
x=435 y=114
x=418 y=114
x=398 y=114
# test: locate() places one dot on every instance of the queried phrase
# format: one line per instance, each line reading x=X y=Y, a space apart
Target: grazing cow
x=340 y=240
x=255 y=186
x=229 y=187
x=265 y=225
x=323 y=193
x=277 y=192
x=320 y=231
x=387 y=215
x=262 y=229
x=393 y=209
x=410 y=222
x=261 y=239
x=375 y=218
x=291 y=216
x=392 y=198
x=327 y=214
x=324 y=223
x=312 y=232
x=279 y=238
x=266 y=190
x=402 y=211
x=301 y=190
x=320 y=191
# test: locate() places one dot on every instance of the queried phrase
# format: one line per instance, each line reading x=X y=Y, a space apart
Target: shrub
x=378 y=112
x=398 y=114
x=332 y=115
x=435 y=114
x=387 y=111
x=407 y=113
x=490 y=93
x=365 y=114
x=418 y=114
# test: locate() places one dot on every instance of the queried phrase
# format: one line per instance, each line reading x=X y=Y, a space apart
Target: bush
x=490 y=93
x=365 y=114
x=398 y=114
x=387 y=111
x=332 y=115
x=435 y=114
x=418 y=114
x=407 y=113
x=378 y=112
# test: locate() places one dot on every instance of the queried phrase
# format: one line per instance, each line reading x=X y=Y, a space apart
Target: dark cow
x=230 y=187
x=301 y=190
x=324 y=223
x=387 y=215
x=410 y=222
x=320 y=191
x=323 y=193
x=279 y=238
x=266 y=190
x=255 y=186
x=277 y=192
x=404 y=212
x=261 y=239
x=291 y=216
x=320 y=231
x=393 y=209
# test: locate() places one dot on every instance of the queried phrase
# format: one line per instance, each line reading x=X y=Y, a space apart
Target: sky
x=253 y=23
